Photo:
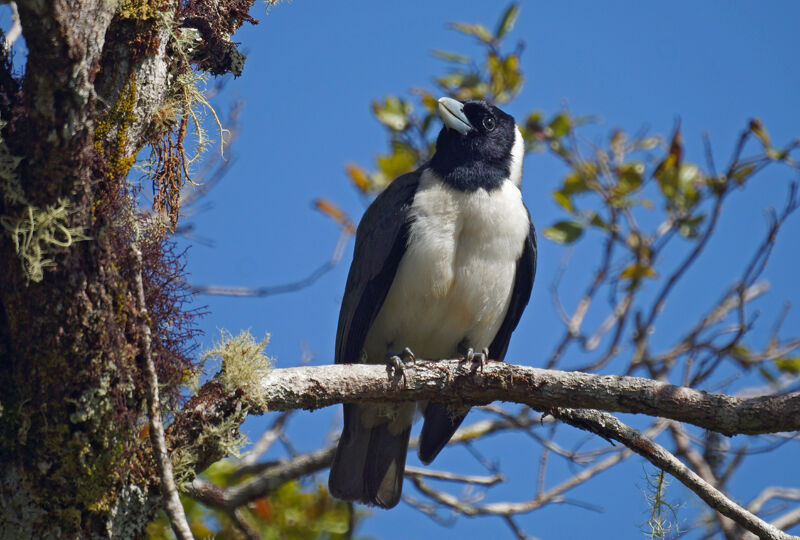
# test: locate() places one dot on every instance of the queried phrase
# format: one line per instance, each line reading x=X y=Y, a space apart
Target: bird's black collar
x=469 y=175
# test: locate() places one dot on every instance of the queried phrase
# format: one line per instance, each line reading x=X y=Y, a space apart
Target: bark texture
x=100 y=82
x=542 y=389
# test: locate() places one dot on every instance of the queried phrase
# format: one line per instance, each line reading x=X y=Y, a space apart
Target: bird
x=443 y=267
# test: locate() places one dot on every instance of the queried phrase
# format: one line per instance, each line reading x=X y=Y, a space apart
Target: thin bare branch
x=550 y=496
x=173 y=506
x=292 y=286
x=788 y=519
x=607 y=426
x=263 y=444
x=773 y=492
x=265 y=483
x=453 y=477
x=516 y=529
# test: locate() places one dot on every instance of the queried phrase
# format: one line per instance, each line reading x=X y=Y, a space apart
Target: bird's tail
x=441 y=421
x=369 y=462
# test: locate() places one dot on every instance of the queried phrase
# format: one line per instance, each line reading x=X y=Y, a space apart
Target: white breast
x=455 y=279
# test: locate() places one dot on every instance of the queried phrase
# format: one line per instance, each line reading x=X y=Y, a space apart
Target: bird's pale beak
x=452 y=113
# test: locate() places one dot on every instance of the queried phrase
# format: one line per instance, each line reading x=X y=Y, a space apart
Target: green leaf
x=560 y=125
x=766 y=374
x=667 y=171
x=507 y=21
x=741 y=353
x=630 y=177
x=402 y=159
x=688 y=228
x=392 y=112
x=648 y=143
x=534 y=120
x=574 y=183
x=789 y=365
x=512 y=73
x=689 y=175
x=618 y=139
x=596 y=221
x=451 y=56
x=477 y=30
x=638 y=271
x=532 y=129
x=563 y=201
x=452 y=80
x=758 y=129
x=740 y=174
x=564 y=232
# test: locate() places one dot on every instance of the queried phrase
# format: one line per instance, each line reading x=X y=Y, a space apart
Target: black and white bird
x=443 y=266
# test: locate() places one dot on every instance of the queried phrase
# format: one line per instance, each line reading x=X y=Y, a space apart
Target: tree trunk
x=99 y=85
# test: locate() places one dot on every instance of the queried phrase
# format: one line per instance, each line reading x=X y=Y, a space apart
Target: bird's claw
x=408 y=356
x=394 y=369
x=395 y=363
x=481 y=357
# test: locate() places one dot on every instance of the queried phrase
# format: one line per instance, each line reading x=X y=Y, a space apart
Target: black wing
x=523 y=283
x=380 y=244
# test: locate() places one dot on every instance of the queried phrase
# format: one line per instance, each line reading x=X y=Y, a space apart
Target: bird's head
x=478 y=147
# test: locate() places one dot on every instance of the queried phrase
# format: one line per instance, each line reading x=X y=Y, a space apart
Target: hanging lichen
x=243 y=362
x=39 y=233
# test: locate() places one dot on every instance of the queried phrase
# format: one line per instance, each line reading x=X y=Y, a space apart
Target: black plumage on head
x=482 y=157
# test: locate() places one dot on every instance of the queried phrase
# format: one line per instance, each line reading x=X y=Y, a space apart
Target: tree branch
x=609 y=427
x=541 y=389
x=172 y=506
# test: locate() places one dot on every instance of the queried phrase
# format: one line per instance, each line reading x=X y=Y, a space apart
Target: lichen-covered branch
x=451 y=380
x=454 y=380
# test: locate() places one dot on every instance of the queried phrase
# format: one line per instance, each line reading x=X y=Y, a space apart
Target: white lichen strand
x=39 y=233
x=243 y=362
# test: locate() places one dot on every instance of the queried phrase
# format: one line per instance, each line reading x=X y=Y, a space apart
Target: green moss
x=10 y=186
x=140 y=9
x=115 y=125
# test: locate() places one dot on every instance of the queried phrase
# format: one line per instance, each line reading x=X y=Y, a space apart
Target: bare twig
x=238 y=519
x=516 y=529
x=552 y=495
x=173 y=506
x=265 y=483
x=773 y=492
x=262 y=445
x=452 y=477
x=608 y=426
x=702 y=468
x=788 y=519
x=293 y=286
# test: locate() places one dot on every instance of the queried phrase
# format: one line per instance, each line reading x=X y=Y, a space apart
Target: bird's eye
x=489 y=123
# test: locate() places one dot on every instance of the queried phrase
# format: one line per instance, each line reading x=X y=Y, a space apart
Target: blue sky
x=313 y=69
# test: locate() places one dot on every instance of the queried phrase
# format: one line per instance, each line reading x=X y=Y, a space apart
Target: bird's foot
x=408 y=356
x=480 y=357
x=395 y=365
